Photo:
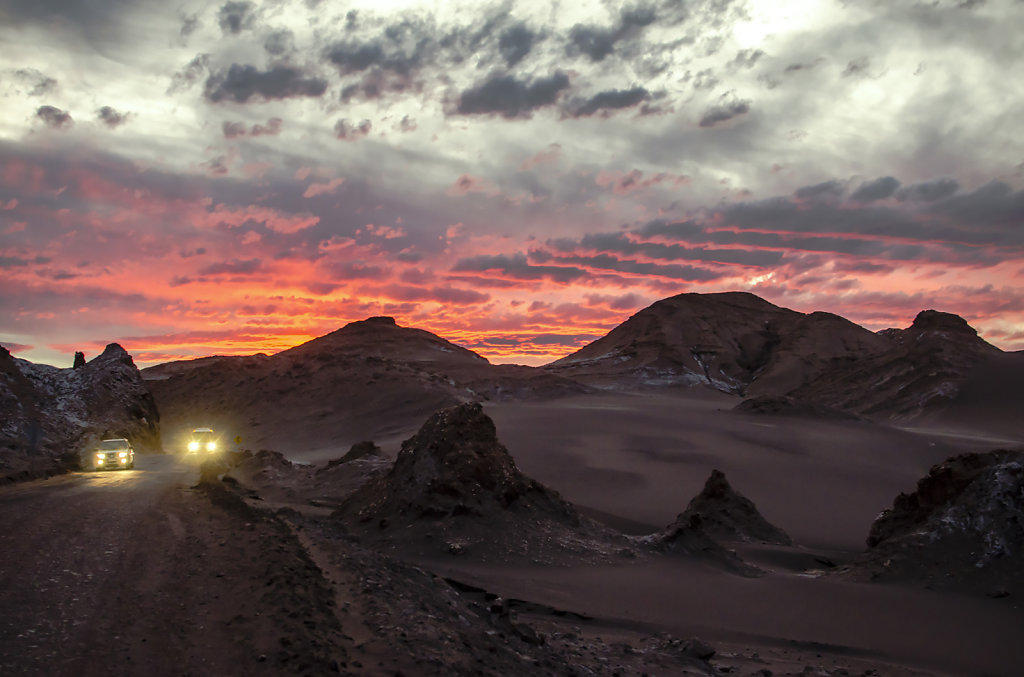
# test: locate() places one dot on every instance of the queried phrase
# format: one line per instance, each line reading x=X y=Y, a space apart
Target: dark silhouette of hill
x=368 y=380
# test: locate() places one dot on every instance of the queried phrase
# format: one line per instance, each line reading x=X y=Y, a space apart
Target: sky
x=194 y=178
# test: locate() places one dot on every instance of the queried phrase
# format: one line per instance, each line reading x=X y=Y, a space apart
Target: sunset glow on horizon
x=238 y=177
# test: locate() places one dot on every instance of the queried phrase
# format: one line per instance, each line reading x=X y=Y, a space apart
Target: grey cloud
x=597 y=43
x=512 y=98
x=279 y=42
x=233 y=267
x=724 y=112
x=516 y=266
x=619 y=243
x=515 y=43
x=857 y=67
x=190 y=74
x=244 y=82
x=39 y=82
x=189 y=25
x=879 y=189
x=347 y=131
x=673 y=271
x=747 y=58
x=929 y=191
x=235 y=17
x=829 y=190
x=111 y=117
x=614 y=99
x=54 y=117
x=233 y=130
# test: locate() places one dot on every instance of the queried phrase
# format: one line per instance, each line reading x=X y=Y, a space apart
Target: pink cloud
x=315 y=189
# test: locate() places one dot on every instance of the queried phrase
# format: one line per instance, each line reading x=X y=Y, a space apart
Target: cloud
x=723 y=112
x=624 y=184
x=280 y=42
x=879 y=189
x=517 y=267
x=929 y=191
x=54 y=117
x=235 y=17
x=189 y=74
x=112 y=118
x=512 y=98
x=233 y=130
x=348 y=131
x=597 y=43
x=39 y=83
x=826 y=190
x=243 y=82
x=612 y=99
x=315 y=189
x=515 y=43
x=233 y=267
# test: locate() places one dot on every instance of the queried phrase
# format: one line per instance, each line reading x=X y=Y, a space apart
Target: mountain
x=729 y=341
x=51 y=415
x=739 y=343
x=371 y=379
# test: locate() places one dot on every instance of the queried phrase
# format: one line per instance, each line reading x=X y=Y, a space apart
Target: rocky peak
x=934 y=320
x=725 y=514
x=456 y=457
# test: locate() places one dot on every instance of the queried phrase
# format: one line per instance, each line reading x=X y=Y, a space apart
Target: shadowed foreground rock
x=963 y=527
x=726 y=515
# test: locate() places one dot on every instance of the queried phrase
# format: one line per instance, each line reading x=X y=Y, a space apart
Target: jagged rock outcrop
x=962 y=527
x=51 y=415
x=726 y=515
x=454 y=487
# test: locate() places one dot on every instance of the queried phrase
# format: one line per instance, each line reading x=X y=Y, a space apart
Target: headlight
x=122 y=454
x=100 y=455
x=99 y=461
x=193 y=446
x=211 y=446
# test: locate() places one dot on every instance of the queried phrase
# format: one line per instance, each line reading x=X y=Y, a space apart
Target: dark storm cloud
x=243 y=82
x=233 y=267
x=111 y=117
x=54 y=117
x=515 y=43
x=233 y=130
x=279 y=42
x=235 y=17
x=721 y=113
x=597 y=42
x=929 y=191
x=613 y=99
x=516 y=266
x=994 y=204
x=190 y=74
x=879 y=189
x=348 y=131
x=512 y=98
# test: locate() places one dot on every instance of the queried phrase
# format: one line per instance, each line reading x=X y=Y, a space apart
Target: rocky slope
x=368 y=380
x=739 y=343
x=50 y=415
x=455 y=489
x=962 y=527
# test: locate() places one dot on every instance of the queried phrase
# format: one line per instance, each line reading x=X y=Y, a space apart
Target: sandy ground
x=141 y=572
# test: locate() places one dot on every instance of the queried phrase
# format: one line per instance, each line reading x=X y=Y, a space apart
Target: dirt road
x=134 y=572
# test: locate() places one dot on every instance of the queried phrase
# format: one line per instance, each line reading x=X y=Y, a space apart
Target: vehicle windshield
x=113 y=445
x=202 y=435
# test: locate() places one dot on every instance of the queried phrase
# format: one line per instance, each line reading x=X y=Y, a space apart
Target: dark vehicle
x=203 y=442
x=113 y=454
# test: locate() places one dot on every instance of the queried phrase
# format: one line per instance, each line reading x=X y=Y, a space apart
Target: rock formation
x=726 y=515
x=962 y=527
x=51 y=415
x=454 y=487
